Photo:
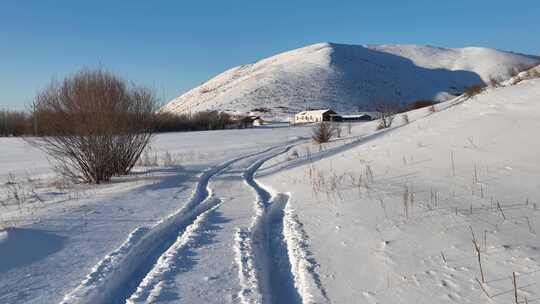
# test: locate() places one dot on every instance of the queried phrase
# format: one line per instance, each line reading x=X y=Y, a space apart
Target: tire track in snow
x=115 y=278
x=251 y=245
x=151 y=287
x=270 y=272
x=303 y=265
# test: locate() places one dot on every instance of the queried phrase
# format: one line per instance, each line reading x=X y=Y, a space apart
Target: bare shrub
x=531 y=73
x=422 y=103
x=387 y=108
x=169 y=159
x=17 y=199
x=473 y=90
x=405 y=118
x=514 y=71
x=323 y=132
x=147 y=159
x=534 y=72
x=94 y=125
x=495 y=82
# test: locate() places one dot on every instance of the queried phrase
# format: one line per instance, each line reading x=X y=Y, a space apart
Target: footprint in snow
x=449 y=284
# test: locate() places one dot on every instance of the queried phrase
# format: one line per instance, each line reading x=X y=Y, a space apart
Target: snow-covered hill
x=347 y=78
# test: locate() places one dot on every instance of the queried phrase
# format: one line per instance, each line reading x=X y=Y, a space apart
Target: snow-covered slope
x=393 y=219
x=347 y=77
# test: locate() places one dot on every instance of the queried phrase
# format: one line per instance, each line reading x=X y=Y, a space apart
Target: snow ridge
x=304 y=266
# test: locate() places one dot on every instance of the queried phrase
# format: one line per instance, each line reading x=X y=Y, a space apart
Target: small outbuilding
x=316 y=116
x=258 y=122
x=364 y=116
x=250 y=121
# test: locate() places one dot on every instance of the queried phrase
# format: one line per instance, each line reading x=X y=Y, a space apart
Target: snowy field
x=266 y=216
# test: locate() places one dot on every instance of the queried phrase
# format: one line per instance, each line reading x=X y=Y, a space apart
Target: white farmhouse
x=316 y=116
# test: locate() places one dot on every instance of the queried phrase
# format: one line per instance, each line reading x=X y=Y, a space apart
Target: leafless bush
x=473 y=90
x=94 y=125
x=534 y=72
x=323 y=132
x=495 y=82
x=531 y=73
x=18 y=197
x=387 y=109
x=514 y=71
x=422 y=103
x=147 y=159
x=168 y=159
x=405 y=118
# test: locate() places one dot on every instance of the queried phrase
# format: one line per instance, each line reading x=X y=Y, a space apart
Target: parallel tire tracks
x=115 y=278
x=274 y=266
x=150 y=287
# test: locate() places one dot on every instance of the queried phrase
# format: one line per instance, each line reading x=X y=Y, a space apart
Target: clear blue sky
x=175 y=45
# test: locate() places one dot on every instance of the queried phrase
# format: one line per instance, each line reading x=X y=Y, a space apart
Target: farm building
x=316 y=116
x=364 y=116
x=258 y=122
x=250 y=121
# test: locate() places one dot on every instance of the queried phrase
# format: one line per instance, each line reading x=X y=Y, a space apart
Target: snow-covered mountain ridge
x=347 y=78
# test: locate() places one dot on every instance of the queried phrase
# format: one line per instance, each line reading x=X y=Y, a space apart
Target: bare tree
x=323 y=132
x=94 y=125
x=387 y=109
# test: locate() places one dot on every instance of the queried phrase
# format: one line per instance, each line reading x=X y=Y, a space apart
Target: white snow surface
x=264 y=215
x=347 y=78
x=391 y=220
